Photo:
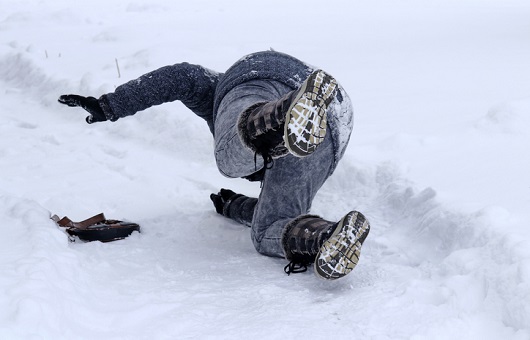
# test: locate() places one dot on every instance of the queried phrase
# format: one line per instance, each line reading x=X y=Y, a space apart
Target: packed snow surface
x=438 y=162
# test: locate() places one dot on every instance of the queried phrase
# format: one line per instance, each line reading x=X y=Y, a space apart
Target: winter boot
x=295 y=123
x=260 y=127
x=334 y=248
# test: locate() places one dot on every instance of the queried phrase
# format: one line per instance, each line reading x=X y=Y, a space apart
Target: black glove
x=224 y=197
x=90 y=104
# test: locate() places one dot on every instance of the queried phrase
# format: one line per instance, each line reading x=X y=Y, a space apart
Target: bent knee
x=268 y=246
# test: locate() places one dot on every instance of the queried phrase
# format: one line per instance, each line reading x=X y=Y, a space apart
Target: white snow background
x=438 y=161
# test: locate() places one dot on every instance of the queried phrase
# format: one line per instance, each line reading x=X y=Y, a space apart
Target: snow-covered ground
x=438 y=161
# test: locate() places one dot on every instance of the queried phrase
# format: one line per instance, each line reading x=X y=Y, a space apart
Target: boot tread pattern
x=306 y=120
x=340 y=253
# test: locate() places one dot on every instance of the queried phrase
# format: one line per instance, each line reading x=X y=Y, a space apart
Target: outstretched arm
x=194 y=85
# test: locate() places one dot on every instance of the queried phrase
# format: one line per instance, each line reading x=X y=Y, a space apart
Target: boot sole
x=339 y=255
x=306 y=121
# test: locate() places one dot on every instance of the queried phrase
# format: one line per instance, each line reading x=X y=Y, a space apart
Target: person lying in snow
x=296 y=118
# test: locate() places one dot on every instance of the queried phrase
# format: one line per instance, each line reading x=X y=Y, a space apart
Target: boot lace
x=294 y=267
x=297 y=265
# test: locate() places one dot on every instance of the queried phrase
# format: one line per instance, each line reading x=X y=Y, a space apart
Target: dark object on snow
x=97 y=228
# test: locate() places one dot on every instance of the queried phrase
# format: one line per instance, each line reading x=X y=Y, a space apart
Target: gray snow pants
x=289 y=186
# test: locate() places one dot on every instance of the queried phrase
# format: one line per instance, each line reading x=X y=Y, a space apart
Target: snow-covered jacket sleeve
x=193 y=85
